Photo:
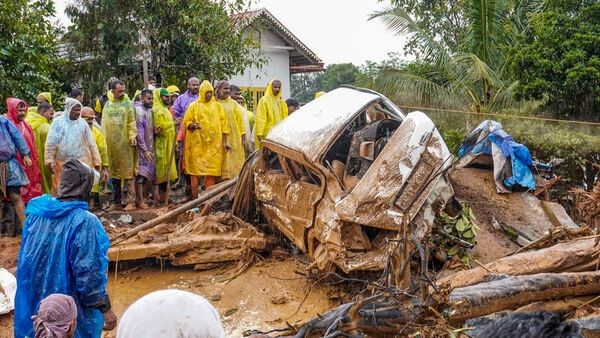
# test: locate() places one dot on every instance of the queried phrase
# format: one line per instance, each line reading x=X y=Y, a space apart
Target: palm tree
x=471 y=77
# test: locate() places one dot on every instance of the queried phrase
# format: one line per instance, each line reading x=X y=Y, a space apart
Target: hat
x=173 y=90
x=87 y=112
x=164 y=92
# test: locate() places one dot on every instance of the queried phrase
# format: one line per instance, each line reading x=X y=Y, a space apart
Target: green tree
x=470 y=73
x=305 y=85
x=561 y=59
x=207 y=39
x=28 y=52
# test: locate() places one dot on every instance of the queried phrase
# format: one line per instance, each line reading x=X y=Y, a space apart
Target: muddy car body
x=339 y=176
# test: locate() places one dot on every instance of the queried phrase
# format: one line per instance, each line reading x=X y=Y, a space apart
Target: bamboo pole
x=217 y=189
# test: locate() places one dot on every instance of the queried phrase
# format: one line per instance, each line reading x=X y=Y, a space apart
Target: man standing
x=236 y=95
x=179 y=109
x=102 y=99
x=40 y=123
x=63 y=250
x=205 y=140
x=184 y=100
x=145 y=143
x=12 y=175
x=119 y=127
x=88 y=115
x=44 y=97
x=269 y=111
x=164 y=137
x=233 y=160
x=16 y=114
x=70 y=137
x=292 y=105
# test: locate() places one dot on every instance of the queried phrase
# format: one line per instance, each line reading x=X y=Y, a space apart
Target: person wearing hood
x=12 y=175
x=120 y=129
x=16 y=114
x=70 y=137
x=164 y=134
x=64 y=250
x=45 y=97
x=232 y=160
x=205 y=139
x=39 y=121
x=87 y=113
x=270 y=110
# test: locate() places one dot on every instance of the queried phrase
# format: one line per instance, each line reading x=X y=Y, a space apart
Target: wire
x=502 y=115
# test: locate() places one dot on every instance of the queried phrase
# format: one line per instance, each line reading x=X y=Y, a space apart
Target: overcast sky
x=336 y=30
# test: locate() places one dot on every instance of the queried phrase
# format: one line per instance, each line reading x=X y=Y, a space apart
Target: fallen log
x=217 y=189
x=186 y=243
x=513 y=292
x=560 y=305
x=580 y=255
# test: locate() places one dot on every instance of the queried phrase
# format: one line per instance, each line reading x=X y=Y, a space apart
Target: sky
x=337 y=31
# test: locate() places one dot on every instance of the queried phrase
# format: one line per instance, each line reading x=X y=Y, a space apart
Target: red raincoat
x=34 y=188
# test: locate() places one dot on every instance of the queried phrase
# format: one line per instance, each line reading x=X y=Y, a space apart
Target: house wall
x=278 y=66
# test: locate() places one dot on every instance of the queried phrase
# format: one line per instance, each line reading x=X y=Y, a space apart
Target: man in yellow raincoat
x=236 y=95
x=232 y=160
x=89 y=115
x=271 y=109
x=44 y=97
x=205 y=139
x=164 y=137
x=119 y=128
x=39 y=120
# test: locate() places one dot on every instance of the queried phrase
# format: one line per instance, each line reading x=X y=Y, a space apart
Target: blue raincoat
x=11 y=141
x=63 y=250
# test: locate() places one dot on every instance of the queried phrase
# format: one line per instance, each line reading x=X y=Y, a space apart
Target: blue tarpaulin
x=489 y=132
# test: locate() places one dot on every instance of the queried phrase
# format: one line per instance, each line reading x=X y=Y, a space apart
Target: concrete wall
x=278 y=66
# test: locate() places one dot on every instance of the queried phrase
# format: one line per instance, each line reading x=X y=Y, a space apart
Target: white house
x=286 y=55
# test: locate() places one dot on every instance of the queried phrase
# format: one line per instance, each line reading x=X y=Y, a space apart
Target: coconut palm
x=471 y=77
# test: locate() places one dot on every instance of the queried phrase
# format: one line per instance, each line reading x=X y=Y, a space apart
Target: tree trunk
x=513 y=292
x=564 y=257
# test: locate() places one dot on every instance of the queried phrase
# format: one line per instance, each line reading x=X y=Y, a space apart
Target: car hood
x=312 y=128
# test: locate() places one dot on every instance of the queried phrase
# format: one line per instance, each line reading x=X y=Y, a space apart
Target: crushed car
x=346 y=173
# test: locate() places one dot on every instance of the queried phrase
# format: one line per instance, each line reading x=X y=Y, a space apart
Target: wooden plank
x=213 y=255
x=182 y=244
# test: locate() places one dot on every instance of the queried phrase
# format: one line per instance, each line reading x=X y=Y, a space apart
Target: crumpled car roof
x=312 y=128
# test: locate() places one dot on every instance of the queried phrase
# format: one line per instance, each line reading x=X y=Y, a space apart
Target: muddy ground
x=274 y=291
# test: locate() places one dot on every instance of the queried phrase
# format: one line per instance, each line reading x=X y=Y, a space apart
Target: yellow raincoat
x=101 y=143
x=163 y=141
x=46 y=95
x=270 y=110
x=118 y=126
x=40 y=127
x=204 y=146
x=233 y=160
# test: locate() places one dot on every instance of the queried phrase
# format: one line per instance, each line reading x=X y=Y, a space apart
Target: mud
x=266 y=296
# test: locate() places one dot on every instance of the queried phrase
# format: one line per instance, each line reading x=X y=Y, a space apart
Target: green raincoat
x=163 y=141
x=40 y=127
x=119 y=126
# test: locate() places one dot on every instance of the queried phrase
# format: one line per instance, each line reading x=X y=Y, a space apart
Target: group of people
x=200 y=136
x=63 y=260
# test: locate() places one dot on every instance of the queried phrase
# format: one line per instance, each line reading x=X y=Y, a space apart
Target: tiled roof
x=301 y=57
